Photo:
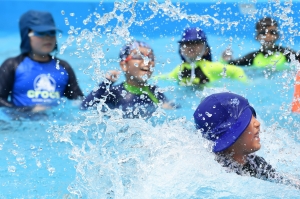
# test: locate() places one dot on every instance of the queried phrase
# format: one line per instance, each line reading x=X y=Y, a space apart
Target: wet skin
x=41 y=47
x=268 y=38
x=247 y=143
x=193 y=51
x=137 y=71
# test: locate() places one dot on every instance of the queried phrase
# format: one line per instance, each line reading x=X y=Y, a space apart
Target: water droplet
x=72 y=14
x=51 y=170
x=11 y=169
x=208 y=114
x=66 y=21
x=62 y=12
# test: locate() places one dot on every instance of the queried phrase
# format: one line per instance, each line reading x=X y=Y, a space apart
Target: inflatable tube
x=296 y=99
x=278 y=60
x=212 y=70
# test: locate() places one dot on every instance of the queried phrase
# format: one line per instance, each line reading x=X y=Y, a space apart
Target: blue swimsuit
x=28 y=82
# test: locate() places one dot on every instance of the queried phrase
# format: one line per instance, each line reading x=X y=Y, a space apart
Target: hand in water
x=227 y=54
x=170 y=106
x=112 y=75
x=39 y=108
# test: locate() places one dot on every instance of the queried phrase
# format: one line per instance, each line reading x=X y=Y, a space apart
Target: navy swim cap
x=37 y=21
x=222 y=118
x=193 y=34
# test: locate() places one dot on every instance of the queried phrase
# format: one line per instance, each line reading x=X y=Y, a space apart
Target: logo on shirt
x=44 y=88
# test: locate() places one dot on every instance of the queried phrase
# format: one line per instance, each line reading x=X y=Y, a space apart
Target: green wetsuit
x=205 y=71
x=279 y=58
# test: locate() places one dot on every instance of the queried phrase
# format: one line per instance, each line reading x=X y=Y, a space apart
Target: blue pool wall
x=161 y=25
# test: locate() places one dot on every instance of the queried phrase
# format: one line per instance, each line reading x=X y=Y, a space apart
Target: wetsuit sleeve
x=265 y=171
x=289 y=53
x=246 y=60
x=7 y=78
x=72 y=90
x=94 y=97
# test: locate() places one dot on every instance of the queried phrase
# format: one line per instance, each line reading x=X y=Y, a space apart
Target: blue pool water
x=68 y=153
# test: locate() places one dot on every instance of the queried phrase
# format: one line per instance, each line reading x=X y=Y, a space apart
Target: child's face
x=42 y=45
x=192 y=51
x=138 y=66
x=249 y=141
x=267 y=36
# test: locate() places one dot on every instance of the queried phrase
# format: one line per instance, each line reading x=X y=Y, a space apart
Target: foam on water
x=136 y=159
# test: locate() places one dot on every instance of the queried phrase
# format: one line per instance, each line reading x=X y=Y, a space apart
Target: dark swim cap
x=37 y=21
x=222 y=118
x=193 y=34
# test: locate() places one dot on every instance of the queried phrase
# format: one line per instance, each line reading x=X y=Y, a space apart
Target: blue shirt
x=28 y=83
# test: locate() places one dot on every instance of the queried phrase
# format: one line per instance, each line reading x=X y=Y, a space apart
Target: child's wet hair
x=265 y=23
x=127 y=48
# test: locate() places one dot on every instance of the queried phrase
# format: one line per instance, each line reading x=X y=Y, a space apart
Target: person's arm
x=246 y=60
x=94 y=96
x=7 y=78
x=72 y=90
x=289 y=53
x=267 y=172
x=172 y=75
x=216 y=70
x=166 y=104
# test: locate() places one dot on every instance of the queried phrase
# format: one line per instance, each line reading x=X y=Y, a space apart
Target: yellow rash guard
x=278 y=60
x=205 y=71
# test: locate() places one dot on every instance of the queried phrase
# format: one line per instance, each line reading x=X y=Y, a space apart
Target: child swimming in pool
x=197 y=67
x=135 y=97
x=269 y=54
x=230 y=122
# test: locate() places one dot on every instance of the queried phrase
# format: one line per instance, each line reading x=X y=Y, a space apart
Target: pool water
x=69 y=153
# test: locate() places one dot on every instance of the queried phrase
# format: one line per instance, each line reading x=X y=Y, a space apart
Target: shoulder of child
x=13 y=61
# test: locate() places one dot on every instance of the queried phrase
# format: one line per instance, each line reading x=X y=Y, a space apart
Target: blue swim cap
x=127 y=48
x=193 y=34
x=222 y=118
x=38 y=21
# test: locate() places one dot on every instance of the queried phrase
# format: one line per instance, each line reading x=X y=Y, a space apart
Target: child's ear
x=123 y=66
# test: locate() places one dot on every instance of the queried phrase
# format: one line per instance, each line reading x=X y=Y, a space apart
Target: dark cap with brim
x=37 y=21
x=222 y=118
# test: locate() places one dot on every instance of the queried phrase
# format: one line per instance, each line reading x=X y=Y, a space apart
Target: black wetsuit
x=248 y=59
x=257 y=167
x=133 y=101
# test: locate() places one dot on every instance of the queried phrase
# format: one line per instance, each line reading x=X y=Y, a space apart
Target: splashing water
x=164 y=156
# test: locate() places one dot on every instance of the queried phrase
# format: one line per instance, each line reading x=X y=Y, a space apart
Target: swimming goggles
x=140 y=56
x=50 y=33
x=272 y=32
